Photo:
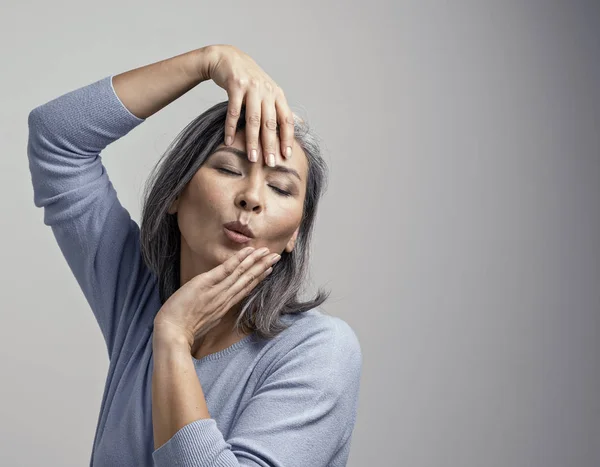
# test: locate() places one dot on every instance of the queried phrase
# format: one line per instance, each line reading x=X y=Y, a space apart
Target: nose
x=251 y=196
x=249 y=200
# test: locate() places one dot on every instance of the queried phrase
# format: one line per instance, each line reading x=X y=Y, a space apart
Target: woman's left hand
x=199 y=304
x=266 y=105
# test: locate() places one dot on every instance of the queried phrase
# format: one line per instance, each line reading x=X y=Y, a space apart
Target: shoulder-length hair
x=277 y=294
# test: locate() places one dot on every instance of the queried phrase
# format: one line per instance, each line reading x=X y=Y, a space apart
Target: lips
x=237 y=226
x=235 y=236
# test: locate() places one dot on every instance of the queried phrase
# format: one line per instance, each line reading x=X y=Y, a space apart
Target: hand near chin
x=266 y=105
x=198 y=305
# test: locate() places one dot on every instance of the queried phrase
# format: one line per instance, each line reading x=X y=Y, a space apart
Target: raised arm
x=96 y=235
x=146 y=90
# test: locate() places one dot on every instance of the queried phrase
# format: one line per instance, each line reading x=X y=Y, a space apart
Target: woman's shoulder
x=315 y=327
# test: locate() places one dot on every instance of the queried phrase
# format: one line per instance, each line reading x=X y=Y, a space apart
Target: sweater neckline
x=226 y=351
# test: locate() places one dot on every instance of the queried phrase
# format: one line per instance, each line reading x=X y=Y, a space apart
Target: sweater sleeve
x=302 y=414
x=96 y=235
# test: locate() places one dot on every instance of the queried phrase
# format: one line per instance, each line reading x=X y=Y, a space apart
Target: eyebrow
x=244 y=155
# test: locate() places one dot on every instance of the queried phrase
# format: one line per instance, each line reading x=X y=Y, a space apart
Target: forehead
x=298 y=161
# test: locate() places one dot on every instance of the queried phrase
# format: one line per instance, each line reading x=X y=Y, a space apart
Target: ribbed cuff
x=197 y=443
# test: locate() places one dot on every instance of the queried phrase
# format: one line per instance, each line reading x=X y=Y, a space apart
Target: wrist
x=169 y=355
x=167 y=337
x=203 y=59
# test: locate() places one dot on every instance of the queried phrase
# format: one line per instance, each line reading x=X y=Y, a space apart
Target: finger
x=245 y=291
x=269 y=127
x=250 y=279
x=285 y=118
x=225 y=289
x=233 y=270
x=236 y=96
x=217 y=275
x=253 y=110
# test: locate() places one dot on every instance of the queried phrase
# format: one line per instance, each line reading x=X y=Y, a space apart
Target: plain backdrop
x=459 y=233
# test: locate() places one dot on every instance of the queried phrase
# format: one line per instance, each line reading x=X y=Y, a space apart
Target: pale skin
x=216 y=273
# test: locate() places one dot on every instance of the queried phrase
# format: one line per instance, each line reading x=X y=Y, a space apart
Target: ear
x=174 y=206
x=292 y=242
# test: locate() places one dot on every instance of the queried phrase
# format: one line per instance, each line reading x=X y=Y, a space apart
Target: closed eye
x=278 y=190
x=227 y=171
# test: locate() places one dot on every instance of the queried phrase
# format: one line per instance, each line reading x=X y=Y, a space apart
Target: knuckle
x=229 y=269
x=253 y=120
x=254 y=83
x=240 y=270
x=271 y=124
x=240 y=81
x=246 y=286
x=233 y=112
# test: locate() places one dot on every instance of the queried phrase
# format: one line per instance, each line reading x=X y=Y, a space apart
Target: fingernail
x=254 y=155
x=275 y=259
x=228 y=141
x=288 y=152
x=272 y=160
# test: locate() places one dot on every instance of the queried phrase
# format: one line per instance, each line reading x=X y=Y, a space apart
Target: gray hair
x=277 y=294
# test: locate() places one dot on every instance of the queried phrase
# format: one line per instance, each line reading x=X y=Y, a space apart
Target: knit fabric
x=287 y=401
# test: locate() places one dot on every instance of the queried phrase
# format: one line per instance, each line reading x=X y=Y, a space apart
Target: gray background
x=460 y=232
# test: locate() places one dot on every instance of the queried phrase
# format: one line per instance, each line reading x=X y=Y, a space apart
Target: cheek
x=205 y=201
x=198 y=209
x=282 y=226
x=211 y=199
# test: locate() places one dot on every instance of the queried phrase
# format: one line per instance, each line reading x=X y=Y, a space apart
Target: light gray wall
x=460 y=232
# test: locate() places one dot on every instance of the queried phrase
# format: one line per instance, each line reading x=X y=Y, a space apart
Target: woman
x=213 y=359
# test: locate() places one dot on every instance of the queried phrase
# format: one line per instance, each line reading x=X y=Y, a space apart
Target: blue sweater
x=287 y=401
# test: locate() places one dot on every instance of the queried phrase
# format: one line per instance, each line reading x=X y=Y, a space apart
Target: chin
x=225 y=251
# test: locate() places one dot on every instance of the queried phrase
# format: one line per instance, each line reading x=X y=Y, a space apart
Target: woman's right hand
x=266 y=105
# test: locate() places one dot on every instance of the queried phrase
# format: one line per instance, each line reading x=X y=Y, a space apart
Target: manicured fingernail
x=228 y=141
x=275 y=259
x=288 y=152
x=254 y=155
x=271 y=160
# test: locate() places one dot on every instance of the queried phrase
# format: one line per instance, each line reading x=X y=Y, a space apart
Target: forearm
x=146 y=90
x=177 y=396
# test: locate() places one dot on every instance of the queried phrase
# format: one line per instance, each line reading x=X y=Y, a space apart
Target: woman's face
x=214 y=197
